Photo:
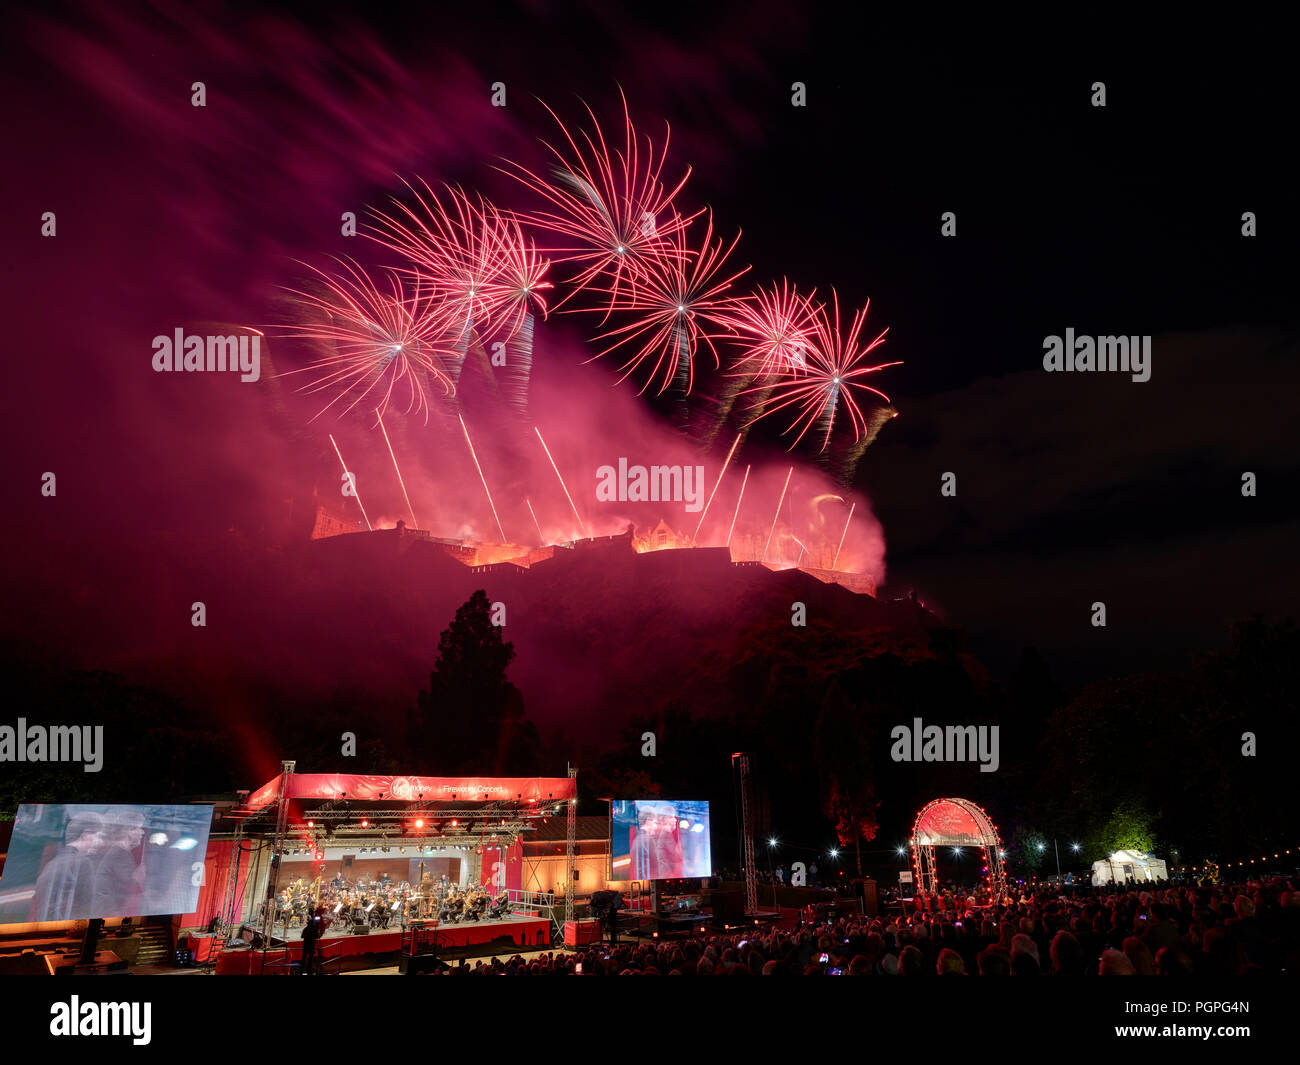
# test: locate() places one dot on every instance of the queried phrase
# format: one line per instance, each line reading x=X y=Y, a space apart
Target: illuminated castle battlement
x=744 y=550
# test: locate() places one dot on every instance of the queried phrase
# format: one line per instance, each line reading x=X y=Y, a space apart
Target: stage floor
x=531 y=933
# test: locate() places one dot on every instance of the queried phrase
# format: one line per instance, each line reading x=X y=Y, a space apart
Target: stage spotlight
x=311 y=824
x=402 y=849
x=365 y=823
x=772 y=842
x=419 y=822
x=835 y=853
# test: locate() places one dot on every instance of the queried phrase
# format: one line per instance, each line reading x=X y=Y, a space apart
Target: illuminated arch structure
x=955 y=823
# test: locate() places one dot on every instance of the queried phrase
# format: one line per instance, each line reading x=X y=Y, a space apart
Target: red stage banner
x=515 y=866
x=217 y=867
x=413 y=789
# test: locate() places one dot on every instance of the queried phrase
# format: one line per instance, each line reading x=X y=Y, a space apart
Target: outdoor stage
x=507 y=936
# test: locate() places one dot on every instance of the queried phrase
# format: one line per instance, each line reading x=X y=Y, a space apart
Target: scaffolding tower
x=277 y=853
x=570 y=847
x=741 y=761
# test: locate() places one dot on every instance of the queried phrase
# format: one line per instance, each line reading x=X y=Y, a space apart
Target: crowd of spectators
x=1221 y=930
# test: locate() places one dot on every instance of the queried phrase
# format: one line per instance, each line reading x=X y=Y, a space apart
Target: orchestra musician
x=477 y=905
x=453 y=908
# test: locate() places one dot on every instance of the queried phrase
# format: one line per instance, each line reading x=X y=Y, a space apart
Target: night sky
x=1072 y=488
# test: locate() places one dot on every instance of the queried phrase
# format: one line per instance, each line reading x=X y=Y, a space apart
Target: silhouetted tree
x=843 y=754
x=471 y=718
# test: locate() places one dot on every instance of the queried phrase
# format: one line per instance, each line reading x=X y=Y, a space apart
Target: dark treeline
x=1144 y=760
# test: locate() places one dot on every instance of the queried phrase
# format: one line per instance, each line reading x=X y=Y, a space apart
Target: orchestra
x=380 y=904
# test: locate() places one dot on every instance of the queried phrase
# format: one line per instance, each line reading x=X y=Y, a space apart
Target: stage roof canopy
x=350 y=809
x=354 y=787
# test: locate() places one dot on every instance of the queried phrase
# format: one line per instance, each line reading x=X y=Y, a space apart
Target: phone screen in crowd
x=834 y=972
x=824 y=958
x=579 y=968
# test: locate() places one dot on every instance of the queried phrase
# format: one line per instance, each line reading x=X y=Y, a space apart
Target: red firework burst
x=837 y=367
x=455 y=244
x=671 y=295
x=611 y=206
x=380 y=340
x=516 y=273
x=776 y=328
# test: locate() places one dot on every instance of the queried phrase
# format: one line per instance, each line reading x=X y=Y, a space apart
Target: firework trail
x=736 y=514
x=540 y=535
x=877 y=419
x=581 y=524
x=352 y=481
x=721 y=474
x=777 y=515
x=831 y=383
x=400 y=480
x=611 y=206
x=672 y=298
x=848 y=521
x=486 y=491
x=802 y=550
x=381 y=340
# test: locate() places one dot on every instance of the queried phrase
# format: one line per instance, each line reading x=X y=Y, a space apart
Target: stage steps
x=155 y=945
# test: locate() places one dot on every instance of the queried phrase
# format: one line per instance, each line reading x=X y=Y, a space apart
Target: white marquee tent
x=1125 y=865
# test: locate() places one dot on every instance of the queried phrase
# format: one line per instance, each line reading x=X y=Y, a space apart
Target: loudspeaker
x=603 y=903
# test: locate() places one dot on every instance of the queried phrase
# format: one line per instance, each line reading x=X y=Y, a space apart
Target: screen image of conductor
x=660 y=839
x=69 y=863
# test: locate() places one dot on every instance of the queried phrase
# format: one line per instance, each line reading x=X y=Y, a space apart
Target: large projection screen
x=74 y=862
x=659 y=839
